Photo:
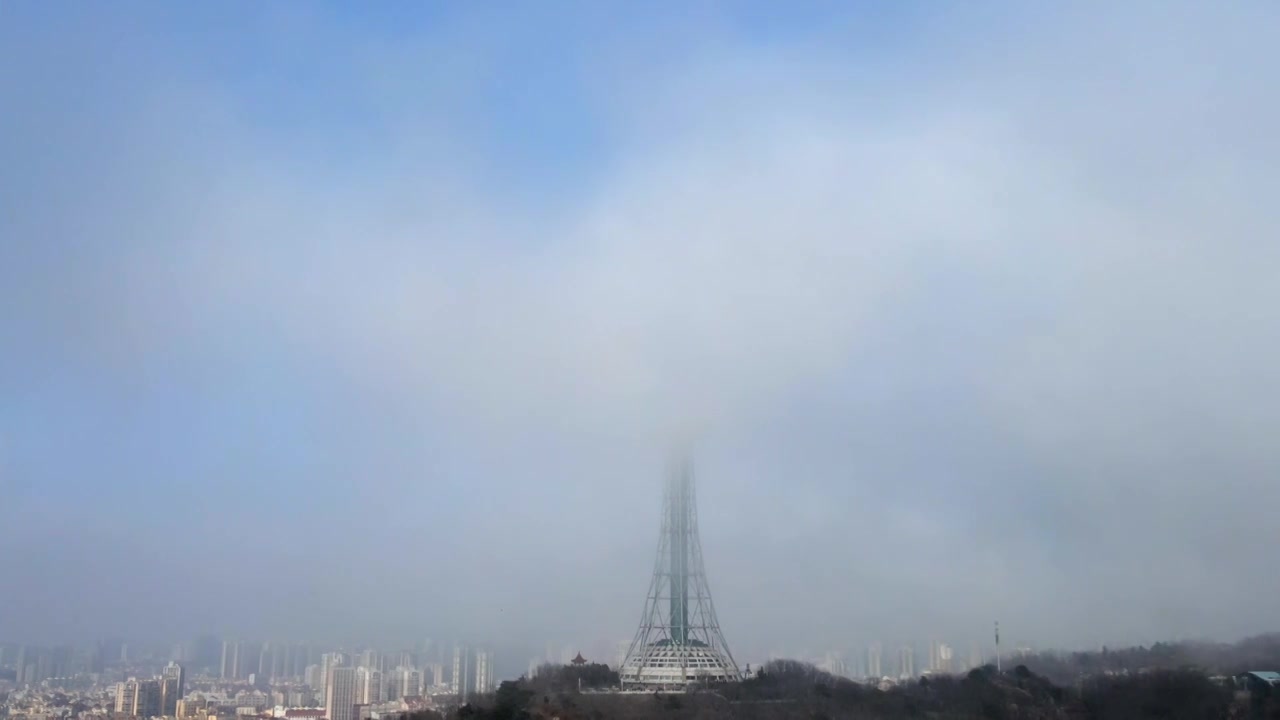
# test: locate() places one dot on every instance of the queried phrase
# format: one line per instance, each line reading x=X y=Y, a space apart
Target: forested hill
x=788 y=689
x=1214 y=659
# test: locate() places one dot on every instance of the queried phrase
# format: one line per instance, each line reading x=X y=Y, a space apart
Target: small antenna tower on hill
x=997 y=646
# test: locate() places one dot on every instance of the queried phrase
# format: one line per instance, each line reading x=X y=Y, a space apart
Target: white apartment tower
x=873 y=661
x=407 y=683
x=484 y=672
x=125 y=693
x=945 y=656
x=341 y=694
x=906 y=662
x=370 y=686
x=458 y=681
x=328 y=662
x=940 y=657
x=230 y=660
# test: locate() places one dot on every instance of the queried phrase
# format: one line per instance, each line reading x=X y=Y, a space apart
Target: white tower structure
x=679 y=642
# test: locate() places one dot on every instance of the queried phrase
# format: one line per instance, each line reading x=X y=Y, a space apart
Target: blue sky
x=952 y=302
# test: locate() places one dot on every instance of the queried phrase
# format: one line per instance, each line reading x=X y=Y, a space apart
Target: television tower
x=679 y=642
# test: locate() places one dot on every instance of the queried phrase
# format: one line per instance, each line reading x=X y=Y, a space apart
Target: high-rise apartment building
x=265 y=660
x=204 y=654
x=833 y=663
x=406 y=682
x=139 y=698
x=278 y=658
x=172 y=688
x=874 y=669
x=34 y=665
x=60 y=662
x=146 y=702
x=940 y=657
x=484 y=672
x=945 y=656
x=250 y=660
x=288 y=662
x=44 y=666
x=341 y=693
x=328 y=662
x=125 y=693
x=230 y=668
x=906 y=662
x=458 y=683
x=370 y=688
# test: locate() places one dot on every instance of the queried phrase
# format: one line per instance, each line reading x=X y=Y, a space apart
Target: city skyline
x=473 y=667
x=145 y=686
x=406 y=673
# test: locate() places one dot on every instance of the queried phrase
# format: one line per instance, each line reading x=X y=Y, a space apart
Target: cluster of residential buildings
x=236 y=680
x=886 y=665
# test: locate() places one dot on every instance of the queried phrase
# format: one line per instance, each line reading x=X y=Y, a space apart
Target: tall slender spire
x=678 y=487
x=679 y=642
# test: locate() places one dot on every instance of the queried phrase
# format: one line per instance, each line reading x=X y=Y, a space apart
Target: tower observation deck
x=679 y=643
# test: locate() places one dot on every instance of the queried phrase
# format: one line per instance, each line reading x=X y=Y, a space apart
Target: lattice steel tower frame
x=679 y=642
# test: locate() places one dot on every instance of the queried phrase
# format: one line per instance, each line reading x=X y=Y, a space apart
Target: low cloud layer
x=974 y=319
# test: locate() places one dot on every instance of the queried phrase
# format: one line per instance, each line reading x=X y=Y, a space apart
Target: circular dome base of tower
x=665 y=665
